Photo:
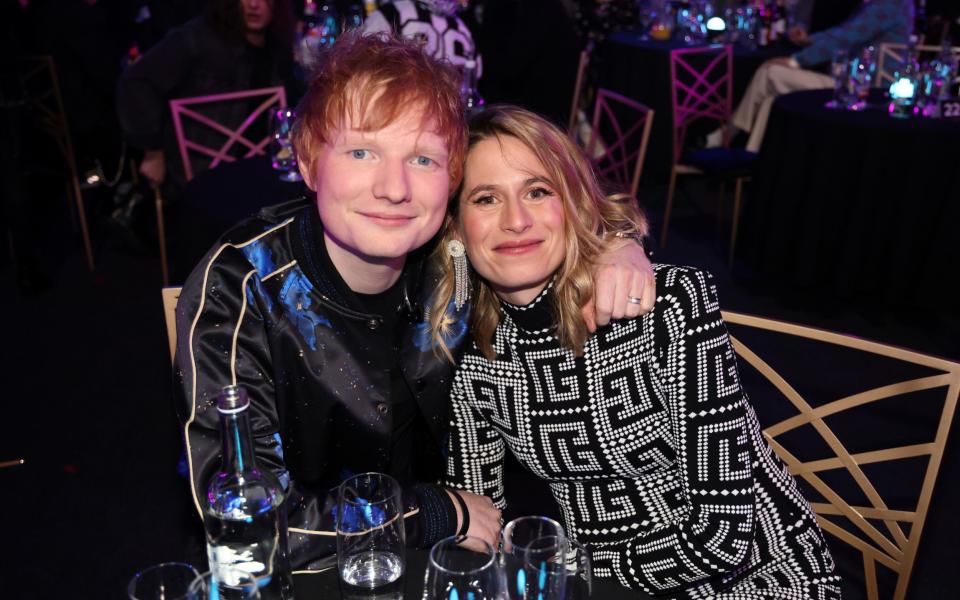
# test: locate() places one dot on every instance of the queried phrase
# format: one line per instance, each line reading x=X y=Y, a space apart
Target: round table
x=862 y=204
x=325 y=584
x=640 y=69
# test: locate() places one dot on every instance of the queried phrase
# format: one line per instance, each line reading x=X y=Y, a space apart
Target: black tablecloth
x=861 y=203
x=640 y=69
x=214 y=201
x=325 y=584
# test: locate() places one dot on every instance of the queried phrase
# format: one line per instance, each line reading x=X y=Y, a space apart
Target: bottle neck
x=238 y=456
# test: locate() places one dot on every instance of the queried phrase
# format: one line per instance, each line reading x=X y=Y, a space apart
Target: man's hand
x=154 y=167
x=623 y=271
x=799 y=36
x=484 y=520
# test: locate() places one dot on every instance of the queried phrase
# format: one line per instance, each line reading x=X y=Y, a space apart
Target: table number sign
x=950 y=108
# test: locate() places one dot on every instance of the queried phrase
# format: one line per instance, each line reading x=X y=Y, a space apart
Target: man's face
x=381 y=194
x=257 y=14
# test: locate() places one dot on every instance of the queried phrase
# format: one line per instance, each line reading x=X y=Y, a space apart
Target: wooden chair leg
x=737 y=205
x=161 y=236
x=82 y=216
x=666 y=213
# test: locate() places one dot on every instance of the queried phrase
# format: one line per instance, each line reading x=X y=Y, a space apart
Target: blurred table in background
x=860 y=204
x=215 y=200
x=640 y=69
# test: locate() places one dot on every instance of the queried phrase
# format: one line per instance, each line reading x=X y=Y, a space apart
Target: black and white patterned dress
x=649 y=446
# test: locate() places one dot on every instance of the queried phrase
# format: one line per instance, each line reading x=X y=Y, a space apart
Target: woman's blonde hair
x=589 y=216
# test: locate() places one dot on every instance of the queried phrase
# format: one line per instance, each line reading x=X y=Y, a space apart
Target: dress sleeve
x=475 y=451
x=869 y=21
x=708 y=414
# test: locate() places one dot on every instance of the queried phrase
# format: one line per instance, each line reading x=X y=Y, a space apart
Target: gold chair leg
x=666 y=211
x=737 y=205
x=161 y=236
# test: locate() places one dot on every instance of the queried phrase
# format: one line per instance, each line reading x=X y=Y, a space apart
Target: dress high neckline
x=536 y=316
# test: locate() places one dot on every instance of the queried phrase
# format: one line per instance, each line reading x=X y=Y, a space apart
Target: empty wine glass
x=545 y=567
x=282 y=156
x=840 y=70
x=517 y=535
x=370 y=537
x=165 y=581
x=861 y=74
x=454 y=573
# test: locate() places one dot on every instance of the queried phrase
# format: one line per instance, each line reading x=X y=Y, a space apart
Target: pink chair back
x=621 y=129
x=700 y=93
x=184 y=109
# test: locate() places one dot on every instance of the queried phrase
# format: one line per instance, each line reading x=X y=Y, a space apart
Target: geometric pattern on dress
x=649 y=446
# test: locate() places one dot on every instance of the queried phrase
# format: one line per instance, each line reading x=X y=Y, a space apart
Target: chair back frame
x=616 y=159
x=893 y=548
x=39 y=74
x=180 y=109
x=578 y=87
x=171 y=295
x=709 y=96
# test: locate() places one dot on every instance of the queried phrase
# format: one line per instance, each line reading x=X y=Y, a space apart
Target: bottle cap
x=232 y=400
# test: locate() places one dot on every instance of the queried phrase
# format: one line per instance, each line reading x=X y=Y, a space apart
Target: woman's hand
x=484 y=520
x=623 y=272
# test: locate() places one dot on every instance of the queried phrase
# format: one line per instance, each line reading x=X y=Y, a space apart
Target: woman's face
x=511 y=219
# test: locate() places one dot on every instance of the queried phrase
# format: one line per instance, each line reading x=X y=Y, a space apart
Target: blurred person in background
x=434 y=23
x=234 y=45
x=875 y=22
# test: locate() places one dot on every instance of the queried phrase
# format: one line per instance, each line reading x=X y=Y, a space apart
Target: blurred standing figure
x=874 y=23
x=235 y=45
x=433 y=23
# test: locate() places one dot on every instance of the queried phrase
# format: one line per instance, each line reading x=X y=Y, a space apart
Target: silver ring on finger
x=634 y=300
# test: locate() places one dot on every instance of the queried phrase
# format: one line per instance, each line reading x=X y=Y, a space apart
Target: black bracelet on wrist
x=465 y=526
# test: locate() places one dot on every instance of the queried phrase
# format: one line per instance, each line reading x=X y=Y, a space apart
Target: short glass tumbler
x=454 y=573
x=370 y=537
x=165 y=581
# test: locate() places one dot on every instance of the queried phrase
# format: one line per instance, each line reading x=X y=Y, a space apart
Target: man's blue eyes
x=422 y=161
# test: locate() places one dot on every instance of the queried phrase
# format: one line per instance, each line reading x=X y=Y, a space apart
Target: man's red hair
x=372 y=80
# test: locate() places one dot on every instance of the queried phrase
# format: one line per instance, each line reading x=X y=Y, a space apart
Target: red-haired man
x=316 y=308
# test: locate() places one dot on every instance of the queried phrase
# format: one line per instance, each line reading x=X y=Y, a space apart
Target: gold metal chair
x=39 y=75
x=897 y=53
x=851 y=507
x=170 y=297
x=578 y=89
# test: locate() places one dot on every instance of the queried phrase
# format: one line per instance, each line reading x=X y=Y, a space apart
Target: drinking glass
x=370 y=537
x=861 y=74
x=234 y=584
x=165 y=581
x=517 y=535
x=840 y=70
x=646 y=14
x=545 y=567
x=454 y=573
x=282 y=156
x=579 y=571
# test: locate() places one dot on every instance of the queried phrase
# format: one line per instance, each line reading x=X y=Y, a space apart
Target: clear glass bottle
x=245 y=517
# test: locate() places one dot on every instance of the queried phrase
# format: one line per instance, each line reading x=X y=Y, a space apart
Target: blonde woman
x=648 y=443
